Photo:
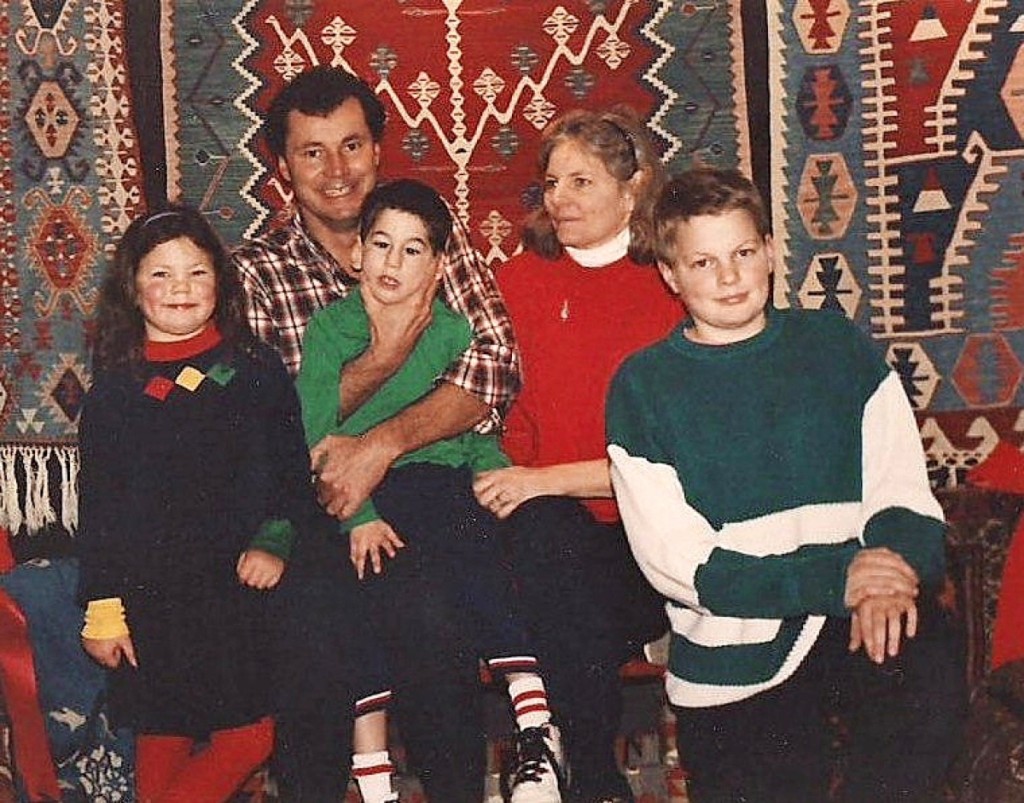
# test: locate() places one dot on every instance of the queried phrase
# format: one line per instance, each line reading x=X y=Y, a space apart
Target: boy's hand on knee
x=259 y=569
x=368 y=541
x=879 y=623
x=880 y=571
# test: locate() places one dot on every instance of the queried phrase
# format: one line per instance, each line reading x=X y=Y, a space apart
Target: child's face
x=721 y=272
x=398 y=264
x=176 y=289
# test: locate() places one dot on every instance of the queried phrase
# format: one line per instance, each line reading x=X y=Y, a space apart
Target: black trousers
x=588 y=609
x=433 y=669
x=899 y=726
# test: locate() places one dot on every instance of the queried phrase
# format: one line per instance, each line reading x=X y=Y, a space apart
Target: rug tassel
x=38 y=509
x=68 y=459
x=10 y=511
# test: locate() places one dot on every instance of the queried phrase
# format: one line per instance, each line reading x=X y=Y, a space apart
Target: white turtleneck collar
x=601 y=255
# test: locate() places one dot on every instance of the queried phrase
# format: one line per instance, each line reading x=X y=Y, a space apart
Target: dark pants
x=588 y=609
x=433 y=671
x=899 y=726
x=434 y=510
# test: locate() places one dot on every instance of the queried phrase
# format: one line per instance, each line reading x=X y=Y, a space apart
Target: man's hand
x=878 y=571
x=108 y=652
x=879 y=622
x=394 y=331
x=395 y=328
x=259 y=569
x=368 y=541
x=348 y=469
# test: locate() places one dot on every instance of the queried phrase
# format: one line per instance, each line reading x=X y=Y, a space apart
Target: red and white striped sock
x=529 y=702
x=373 y=772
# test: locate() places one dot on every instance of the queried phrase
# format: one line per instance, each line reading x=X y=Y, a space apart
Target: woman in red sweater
x=583 y=296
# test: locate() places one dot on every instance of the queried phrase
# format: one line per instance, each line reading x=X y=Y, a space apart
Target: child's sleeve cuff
x=275 y=536
x=104 y=618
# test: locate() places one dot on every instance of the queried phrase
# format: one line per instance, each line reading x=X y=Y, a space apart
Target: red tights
x=168 y=771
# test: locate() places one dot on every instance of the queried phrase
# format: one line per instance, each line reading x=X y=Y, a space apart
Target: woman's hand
x=368 y=541
x=259 y=569
x=108 y=652
x=502 y=490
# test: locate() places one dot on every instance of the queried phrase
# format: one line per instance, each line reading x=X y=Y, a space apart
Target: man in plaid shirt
x=325 y=129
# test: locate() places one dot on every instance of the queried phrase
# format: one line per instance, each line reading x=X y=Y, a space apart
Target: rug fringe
x=27 y=474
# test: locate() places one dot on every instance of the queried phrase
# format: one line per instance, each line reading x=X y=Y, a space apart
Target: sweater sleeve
x=319 y=378
x=103 y=545
x=290 y=503
x=900 y=511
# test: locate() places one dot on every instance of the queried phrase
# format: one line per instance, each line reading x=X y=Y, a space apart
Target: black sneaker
x=537 y=776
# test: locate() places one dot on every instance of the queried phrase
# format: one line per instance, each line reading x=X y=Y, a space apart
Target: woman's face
x=588 y=206
x=176 y=287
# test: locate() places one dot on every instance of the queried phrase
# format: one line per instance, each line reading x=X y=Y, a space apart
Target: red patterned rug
x=113 y=105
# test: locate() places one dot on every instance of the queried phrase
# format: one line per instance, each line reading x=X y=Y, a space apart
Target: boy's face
x=721 y=272
x=398 y=264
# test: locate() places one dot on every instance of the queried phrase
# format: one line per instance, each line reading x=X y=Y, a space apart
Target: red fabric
x=1003 y=470
x=575 y=326
x=211 y=775
x=6 y=555
x=158 y=759
x=21 y=695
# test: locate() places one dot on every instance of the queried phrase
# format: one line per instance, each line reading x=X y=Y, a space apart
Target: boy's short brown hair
x=703 y=191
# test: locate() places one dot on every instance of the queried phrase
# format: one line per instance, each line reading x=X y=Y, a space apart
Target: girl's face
x=398 y=264
x=588 y=206
x=176 y=288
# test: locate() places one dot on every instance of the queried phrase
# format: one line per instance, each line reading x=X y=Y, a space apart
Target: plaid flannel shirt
x=288 y=276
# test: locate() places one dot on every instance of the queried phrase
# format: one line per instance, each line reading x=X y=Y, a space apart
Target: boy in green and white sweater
x=772 y=484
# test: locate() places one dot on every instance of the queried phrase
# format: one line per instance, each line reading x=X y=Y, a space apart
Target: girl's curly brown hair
x=120 y=327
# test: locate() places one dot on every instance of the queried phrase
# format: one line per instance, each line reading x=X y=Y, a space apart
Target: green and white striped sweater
x=748 y=476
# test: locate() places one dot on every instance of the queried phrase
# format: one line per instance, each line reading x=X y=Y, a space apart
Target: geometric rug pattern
x=897 y=171
x=116 y=105
x=889 y=136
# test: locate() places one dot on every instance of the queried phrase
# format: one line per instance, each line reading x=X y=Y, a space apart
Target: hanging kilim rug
x=69 y=185
x=115 y=104
x=897 y=174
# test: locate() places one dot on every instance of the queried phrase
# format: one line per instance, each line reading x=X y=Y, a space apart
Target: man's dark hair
x=414 y=197
x=318 y=92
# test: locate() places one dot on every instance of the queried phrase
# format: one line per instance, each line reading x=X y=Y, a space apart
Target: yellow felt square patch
x=190 y=378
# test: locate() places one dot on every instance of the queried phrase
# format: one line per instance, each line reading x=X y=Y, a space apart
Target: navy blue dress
x=182 y=466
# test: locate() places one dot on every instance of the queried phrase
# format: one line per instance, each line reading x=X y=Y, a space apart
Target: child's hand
x=109 y=651
x=368 y=541
x=878 y=570
x=259 y=569
x=877 y=624
x=502 y=490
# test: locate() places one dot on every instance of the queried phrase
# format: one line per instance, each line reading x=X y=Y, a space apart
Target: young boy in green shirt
x=772 y=484
x=425 y=502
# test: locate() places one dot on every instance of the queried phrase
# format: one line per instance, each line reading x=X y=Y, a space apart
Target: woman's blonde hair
x=617 y=138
